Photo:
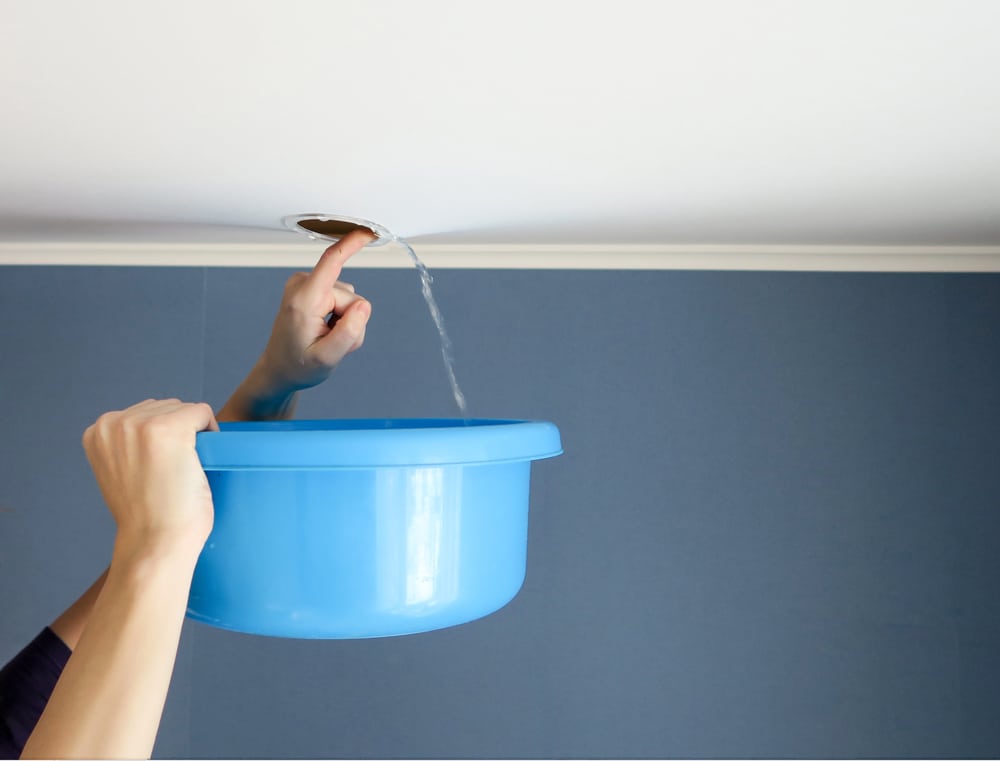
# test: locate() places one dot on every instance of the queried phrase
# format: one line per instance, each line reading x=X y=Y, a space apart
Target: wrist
x=261 y=396
x=139 y=554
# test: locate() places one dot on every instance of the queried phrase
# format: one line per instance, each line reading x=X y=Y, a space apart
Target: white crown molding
x=519 y=256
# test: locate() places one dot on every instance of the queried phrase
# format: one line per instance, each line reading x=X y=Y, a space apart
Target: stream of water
x=446 y=347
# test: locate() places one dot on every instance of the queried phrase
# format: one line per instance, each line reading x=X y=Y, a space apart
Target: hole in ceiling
x=335 y=226
x=331 y=227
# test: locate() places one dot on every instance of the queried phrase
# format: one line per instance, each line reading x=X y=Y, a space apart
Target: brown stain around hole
x=335 y=228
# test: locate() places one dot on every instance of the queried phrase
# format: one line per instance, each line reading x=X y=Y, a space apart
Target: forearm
x=258 y=398
x=70 y=625
x=109 y=699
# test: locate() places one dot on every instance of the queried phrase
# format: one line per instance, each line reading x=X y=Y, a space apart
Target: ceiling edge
x=518 y=256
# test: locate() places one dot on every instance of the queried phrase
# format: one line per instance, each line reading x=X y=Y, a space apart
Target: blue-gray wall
x=775 y=530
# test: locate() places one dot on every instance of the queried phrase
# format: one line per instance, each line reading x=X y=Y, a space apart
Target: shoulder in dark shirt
x=25 y=686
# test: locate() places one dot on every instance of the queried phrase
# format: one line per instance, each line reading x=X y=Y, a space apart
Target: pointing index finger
x=327 y=269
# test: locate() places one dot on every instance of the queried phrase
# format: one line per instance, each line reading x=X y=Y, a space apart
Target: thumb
x=346 y=335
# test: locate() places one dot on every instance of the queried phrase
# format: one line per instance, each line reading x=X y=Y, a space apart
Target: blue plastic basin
x=364 y=528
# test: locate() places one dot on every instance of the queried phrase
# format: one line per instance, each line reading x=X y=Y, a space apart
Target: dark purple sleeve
x=25 y=686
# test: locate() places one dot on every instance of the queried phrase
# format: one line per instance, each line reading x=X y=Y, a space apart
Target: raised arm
x=319 y=322
x=109 y=699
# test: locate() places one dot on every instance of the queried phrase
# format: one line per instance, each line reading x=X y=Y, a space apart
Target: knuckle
x=154 y=429
x=294 y=280
x=106 y=426
x=105 y=421
x=351 y=328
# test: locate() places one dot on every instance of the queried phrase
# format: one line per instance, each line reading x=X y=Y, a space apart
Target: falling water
x=446 y=349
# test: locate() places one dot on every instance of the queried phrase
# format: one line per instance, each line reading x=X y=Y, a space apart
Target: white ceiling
x=701 y=121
